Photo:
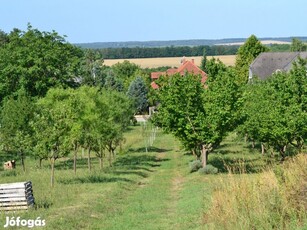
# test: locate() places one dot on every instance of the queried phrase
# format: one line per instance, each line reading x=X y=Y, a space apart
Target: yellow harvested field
x=228 y=60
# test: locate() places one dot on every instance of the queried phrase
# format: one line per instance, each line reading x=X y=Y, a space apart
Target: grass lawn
x=152 y=190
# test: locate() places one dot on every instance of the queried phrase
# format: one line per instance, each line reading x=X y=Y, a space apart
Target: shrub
x=195 y=166
x=209 y=169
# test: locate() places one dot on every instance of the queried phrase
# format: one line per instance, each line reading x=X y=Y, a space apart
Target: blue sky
x=146 y=20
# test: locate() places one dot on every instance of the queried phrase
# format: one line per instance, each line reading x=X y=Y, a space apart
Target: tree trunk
x=89 y=158
x=40 y=162
x=300 y=144
x=23 y=162
x=262 y=149
x=75 y=158
x=204 y=154
x=52 y=161
x=282 y=151
x=82 y=156
x=245 y=138
x=110 y=158
x=100 y=162
x=253 y=143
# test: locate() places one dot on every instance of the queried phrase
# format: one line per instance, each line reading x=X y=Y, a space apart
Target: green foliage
x=198 y=117
x=298 y=45
x=279 y=47
x=93 y=70
x=138 y=91
x=15 y=130
x=167 y=51
x=36 y=61
x=208 y=169
x=113 y=83
x=245 y=56
x=195 y=166
x=214 y=68
x=275 y=110
x=3 y=38
x=204 y=61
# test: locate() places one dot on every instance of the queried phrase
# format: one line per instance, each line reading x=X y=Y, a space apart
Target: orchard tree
x=51 y=126
x=245 y=56
x=36 y=61
x=15 y=130
x=138 y=92
x=198 y=116
x=119 y=115
x=275 y=109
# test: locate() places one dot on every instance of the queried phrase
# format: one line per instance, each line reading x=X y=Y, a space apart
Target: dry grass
x=274 y=199
x=228 y=60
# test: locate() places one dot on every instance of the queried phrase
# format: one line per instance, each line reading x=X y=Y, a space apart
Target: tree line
x=57 y=99
x=168 y=51
x=271 y=112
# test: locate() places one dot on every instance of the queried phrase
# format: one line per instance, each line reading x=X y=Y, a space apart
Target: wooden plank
x=12 y=199
x=15 y=185
x=16 y=203
x=12 y=195
x=12 y=190
x=13 y=208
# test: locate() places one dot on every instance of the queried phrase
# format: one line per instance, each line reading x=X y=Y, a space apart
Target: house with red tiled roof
x=186 y=67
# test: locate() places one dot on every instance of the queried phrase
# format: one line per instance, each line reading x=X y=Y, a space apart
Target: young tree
x=275 y=110
x=198 y=117
x=245 y=56
x=51 y=126
x=137 y=91
x=15 y=130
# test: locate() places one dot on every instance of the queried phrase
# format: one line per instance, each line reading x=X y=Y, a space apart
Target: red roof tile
x=187 y=66
x=156 y=75
x=154 y=85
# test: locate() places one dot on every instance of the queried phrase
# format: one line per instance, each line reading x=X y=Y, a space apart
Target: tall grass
x=273 y=199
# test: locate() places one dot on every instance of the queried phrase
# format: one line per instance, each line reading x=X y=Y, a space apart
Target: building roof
x=268 y=63
x=154 y=85
x=186 y=67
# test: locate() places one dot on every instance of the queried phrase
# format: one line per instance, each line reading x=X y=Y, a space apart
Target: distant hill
x=193 y=42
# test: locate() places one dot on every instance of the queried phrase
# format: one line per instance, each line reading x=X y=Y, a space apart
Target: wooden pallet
x=16 y=196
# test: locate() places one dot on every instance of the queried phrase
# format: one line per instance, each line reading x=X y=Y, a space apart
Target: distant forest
x=177 y=48
x=172 y=51
x=191 y=42
x=177 y=51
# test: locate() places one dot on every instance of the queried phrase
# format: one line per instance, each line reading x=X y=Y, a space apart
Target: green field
x=152 y=190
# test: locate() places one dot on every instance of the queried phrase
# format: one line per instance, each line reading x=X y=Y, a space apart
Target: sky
x=84 y=21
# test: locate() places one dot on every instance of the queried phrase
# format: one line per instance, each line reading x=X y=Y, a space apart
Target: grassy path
x=164 y=200
x=151 y=190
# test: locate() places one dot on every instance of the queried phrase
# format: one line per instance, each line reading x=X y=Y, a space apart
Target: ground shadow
x=149 y=149
x=129 y=172
x=94 y=179
x=144 y=160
